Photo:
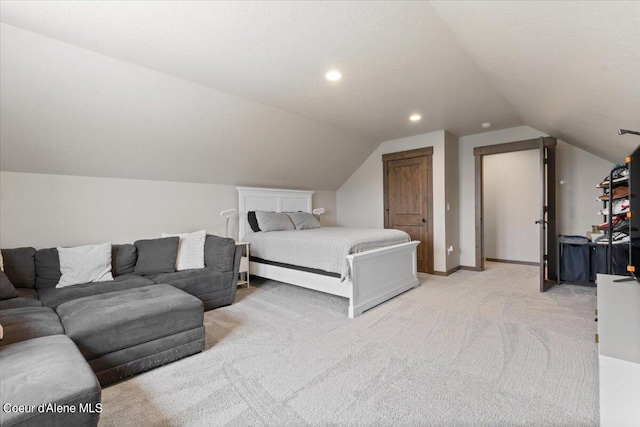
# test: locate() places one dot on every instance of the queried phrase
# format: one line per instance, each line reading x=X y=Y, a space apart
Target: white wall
x=58 y=210
x=360 y=199
x=512 y=205
x=576 y=199
x=467 y=182
x=577 y=205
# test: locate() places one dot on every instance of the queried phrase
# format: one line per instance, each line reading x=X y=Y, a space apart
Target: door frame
x=409 y=154
x=509 y=147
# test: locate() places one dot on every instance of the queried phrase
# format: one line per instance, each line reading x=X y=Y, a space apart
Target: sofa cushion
x=123 y=259
x=53 y=297
x=19 y=302
x=196 y=282
x=19 y=264
x=25 y=323
x=157 y=255
x=219 y=252
x=47 y=268
x=7 y=290
x=105 y=323
x=190 y=249
x=84 y=264
x=26 y=298
x=27 y=293
x=47 y=370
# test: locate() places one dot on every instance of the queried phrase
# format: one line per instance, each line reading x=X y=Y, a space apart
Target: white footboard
x=381 y=274
x=376 y=276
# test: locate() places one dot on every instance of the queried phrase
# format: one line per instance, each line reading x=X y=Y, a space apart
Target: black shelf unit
x=608 y=202
x=580 y=260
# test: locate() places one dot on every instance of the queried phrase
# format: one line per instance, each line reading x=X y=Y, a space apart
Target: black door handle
x=424 y=220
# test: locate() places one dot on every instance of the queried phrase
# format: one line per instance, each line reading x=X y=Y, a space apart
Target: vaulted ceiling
x=253 y=106
x=569 y=68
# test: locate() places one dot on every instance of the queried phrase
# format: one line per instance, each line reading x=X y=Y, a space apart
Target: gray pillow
x=156 y=255
x=20 y=266
x=7 y=290
x=274 y=221
x=47 y=268
x=219 y=252
x=304 y=220
x=123 y=259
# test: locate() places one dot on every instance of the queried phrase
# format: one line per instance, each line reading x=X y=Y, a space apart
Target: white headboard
x=269 y=199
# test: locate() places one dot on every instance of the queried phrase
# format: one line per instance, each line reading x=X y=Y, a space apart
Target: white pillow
x=85 y=264
x=190 y=249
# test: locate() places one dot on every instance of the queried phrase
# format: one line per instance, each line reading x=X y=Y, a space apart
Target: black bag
x=574 y=259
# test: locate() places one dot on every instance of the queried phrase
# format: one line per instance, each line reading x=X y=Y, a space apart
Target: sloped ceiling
x=70 y=111
x=233 y=93
x=569 y=68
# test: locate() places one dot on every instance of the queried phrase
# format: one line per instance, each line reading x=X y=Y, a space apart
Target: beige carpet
x=473 y=349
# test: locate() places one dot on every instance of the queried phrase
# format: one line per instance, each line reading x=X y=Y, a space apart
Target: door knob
x=424 y=220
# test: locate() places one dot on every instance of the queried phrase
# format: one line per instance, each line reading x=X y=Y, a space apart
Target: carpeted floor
x=473 y=349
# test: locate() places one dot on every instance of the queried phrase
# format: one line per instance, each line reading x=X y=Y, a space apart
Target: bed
x=367 y=278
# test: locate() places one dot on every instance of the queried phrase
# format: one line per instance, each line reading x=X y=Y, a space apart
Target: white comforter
x=323 y=248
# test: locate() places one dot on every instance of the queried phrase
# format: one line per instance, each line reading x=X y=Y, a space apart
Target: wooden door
x=408 y=195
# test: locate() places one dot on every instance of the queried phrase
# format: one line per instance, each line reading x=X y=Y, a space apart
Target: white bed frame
x=376 y=275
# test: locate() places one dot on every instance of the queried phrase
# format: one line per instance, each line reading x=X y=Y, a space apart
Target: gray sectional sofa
x=106 y=331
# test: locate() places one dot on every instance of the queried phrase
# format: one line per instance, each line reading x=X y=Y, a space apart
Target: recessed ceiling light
x=415 y=117
x=487 y=125
x=333 y=75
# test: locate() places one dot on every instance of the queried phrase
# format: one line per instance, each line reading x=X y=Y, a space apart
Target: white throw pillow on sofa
x=84 y=264
x=190 y=249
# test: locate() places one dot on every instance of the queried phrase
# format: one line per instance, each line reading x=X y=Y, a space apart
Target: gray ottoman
x=126 y=332
x=47 y=370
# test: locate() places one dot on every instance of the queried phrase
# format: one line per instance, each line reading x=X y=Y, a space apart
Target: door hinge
x=546 y=209
x=546 y=257
x=597 y=339
x=546 y=161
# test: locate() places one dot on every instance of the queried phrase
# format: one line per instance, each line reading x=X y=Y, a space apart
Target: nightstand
x=244 y=264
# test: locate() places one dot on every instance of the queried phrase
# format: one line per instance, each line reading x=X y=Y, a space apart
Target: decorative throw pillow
x=47 y=268
x=190 y=249
x=219 y=252
x=7 y=290
x=304 y=220
x=156 y=255
x=123 y=259
x=274 y=221
x=84 y=264
x=20 y=266
x=253 y=222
